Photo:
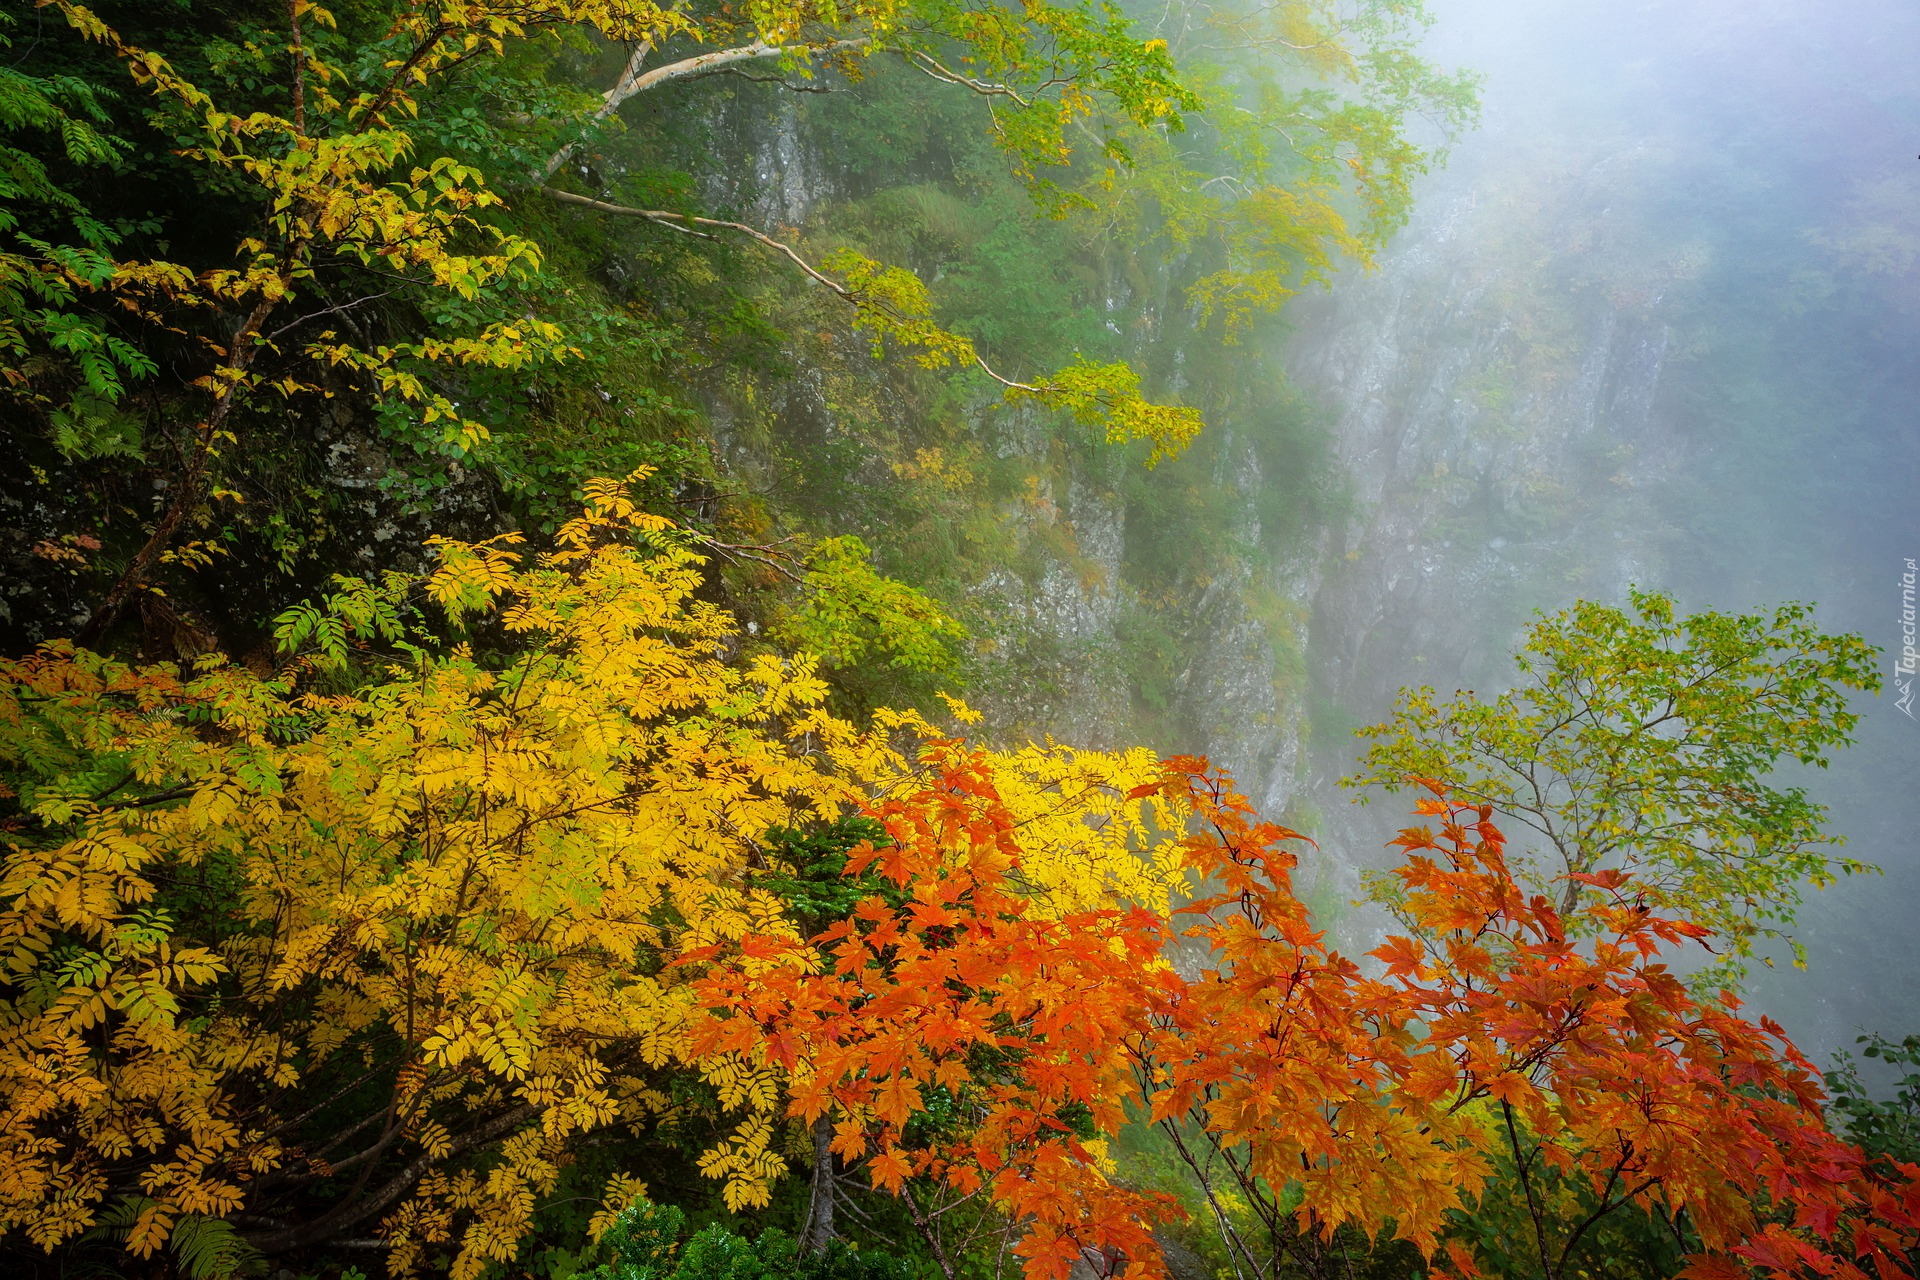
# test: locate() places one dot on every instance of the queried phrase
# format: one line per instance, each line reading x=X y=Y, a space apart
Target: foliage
x=892 y=303
x=717 y=1254
x=437 y=899
x=1497 y=1232
x=1890 y=1129
x=1642 y=743
x=642 y=1243
x=852 y=616
x=330 y=181
x=962 y=1005
x=1331 y=82
x=204 y=1248
x=639 y=1243
x=51 y=274
x=809 y=869
x=532 y=868
x=1593 y=1063
x=968 y=1046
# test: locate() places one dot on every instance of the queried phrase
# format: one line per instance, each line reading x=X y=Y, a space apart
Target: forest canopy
x=244 y=244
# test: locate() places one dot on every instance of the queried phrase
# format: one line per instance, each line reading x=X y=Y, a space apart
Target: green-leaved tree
x=1638 y=741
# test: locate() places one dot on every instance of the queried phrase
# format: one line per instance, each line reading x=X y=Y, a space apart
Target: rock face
x=1065 y=680
x=1493 y=459
x=1498 y=463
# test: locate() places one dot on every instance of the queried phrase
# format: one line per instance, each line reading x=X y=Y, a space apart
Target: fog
x=1655 y=323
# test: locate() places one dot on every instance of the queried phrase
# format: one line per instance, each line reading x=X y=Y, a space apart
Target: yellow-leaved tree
x=438 y=895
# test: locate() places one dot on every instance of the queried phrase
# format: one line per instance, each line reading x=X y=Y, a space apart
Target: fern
x=203 y=1248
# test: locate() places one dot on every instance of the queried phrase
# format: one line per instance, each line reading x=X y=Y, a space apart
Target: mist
x=1653 y=324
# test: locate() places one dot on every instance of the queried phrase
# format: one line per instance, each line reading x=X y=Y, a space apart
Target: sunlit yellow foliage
x=893 y=303
x=473 y=864
x=1087 y=839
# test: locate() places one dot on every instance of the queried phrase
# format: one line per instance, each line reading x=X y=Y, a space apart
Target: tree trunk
x=193 y=477
x=819 y=1228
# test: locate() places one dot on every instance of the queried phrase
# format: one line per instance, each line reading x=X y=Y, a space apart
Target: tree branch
x=1523 y=1166
x=609 y=103
x=352 y=1213
x=707 y=63
x=928 y=65
x=928 y=1232
x=687 y=224
x=633 y=82
x=298 y=52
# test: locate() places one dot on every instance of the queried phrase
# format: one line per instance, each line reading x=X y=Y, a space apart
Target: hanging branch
x=687 y=222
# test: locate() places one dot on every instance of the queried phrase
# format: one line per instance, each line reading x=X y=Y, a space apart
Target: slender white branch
x=623 y=87
x=720 y=59
x=986 y=89
x=632 y=81
x=690 y=224
x=609 y=103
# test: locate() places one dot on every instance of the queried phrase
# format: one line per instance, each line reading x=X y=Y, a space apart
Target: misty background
x=1654 y=323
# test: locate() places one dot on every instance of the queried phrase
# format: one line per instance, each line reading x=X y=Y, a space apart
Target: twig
x=767 y=554
x=686 y=222
x=327 y=311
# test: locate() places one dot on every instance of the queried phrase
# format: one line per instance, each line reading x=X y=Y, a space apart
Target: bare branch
x=632 y=81
x=768 y=555
x=929 y=65
x=686 y=222
x=720 y=59
x=609 y=103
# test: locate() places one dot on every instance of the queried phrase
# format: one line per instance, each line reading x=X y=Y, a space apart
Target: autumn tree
x=1608 y=1088
x=959 y=1033
x=1645 y=742
x=322 y=959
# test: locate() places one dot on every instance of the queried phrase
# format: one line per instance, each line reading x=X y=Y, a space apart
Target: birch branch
x=633 y=81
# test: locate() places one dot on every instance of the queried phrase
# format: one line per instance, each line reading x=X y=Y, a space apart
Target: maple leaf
x=1402 y=956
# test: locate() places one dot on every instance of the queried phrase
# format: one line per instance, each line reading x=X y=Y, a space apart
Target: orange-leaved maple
x=967 y=1044
x=1277 y=1077
x=1588 y=1060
